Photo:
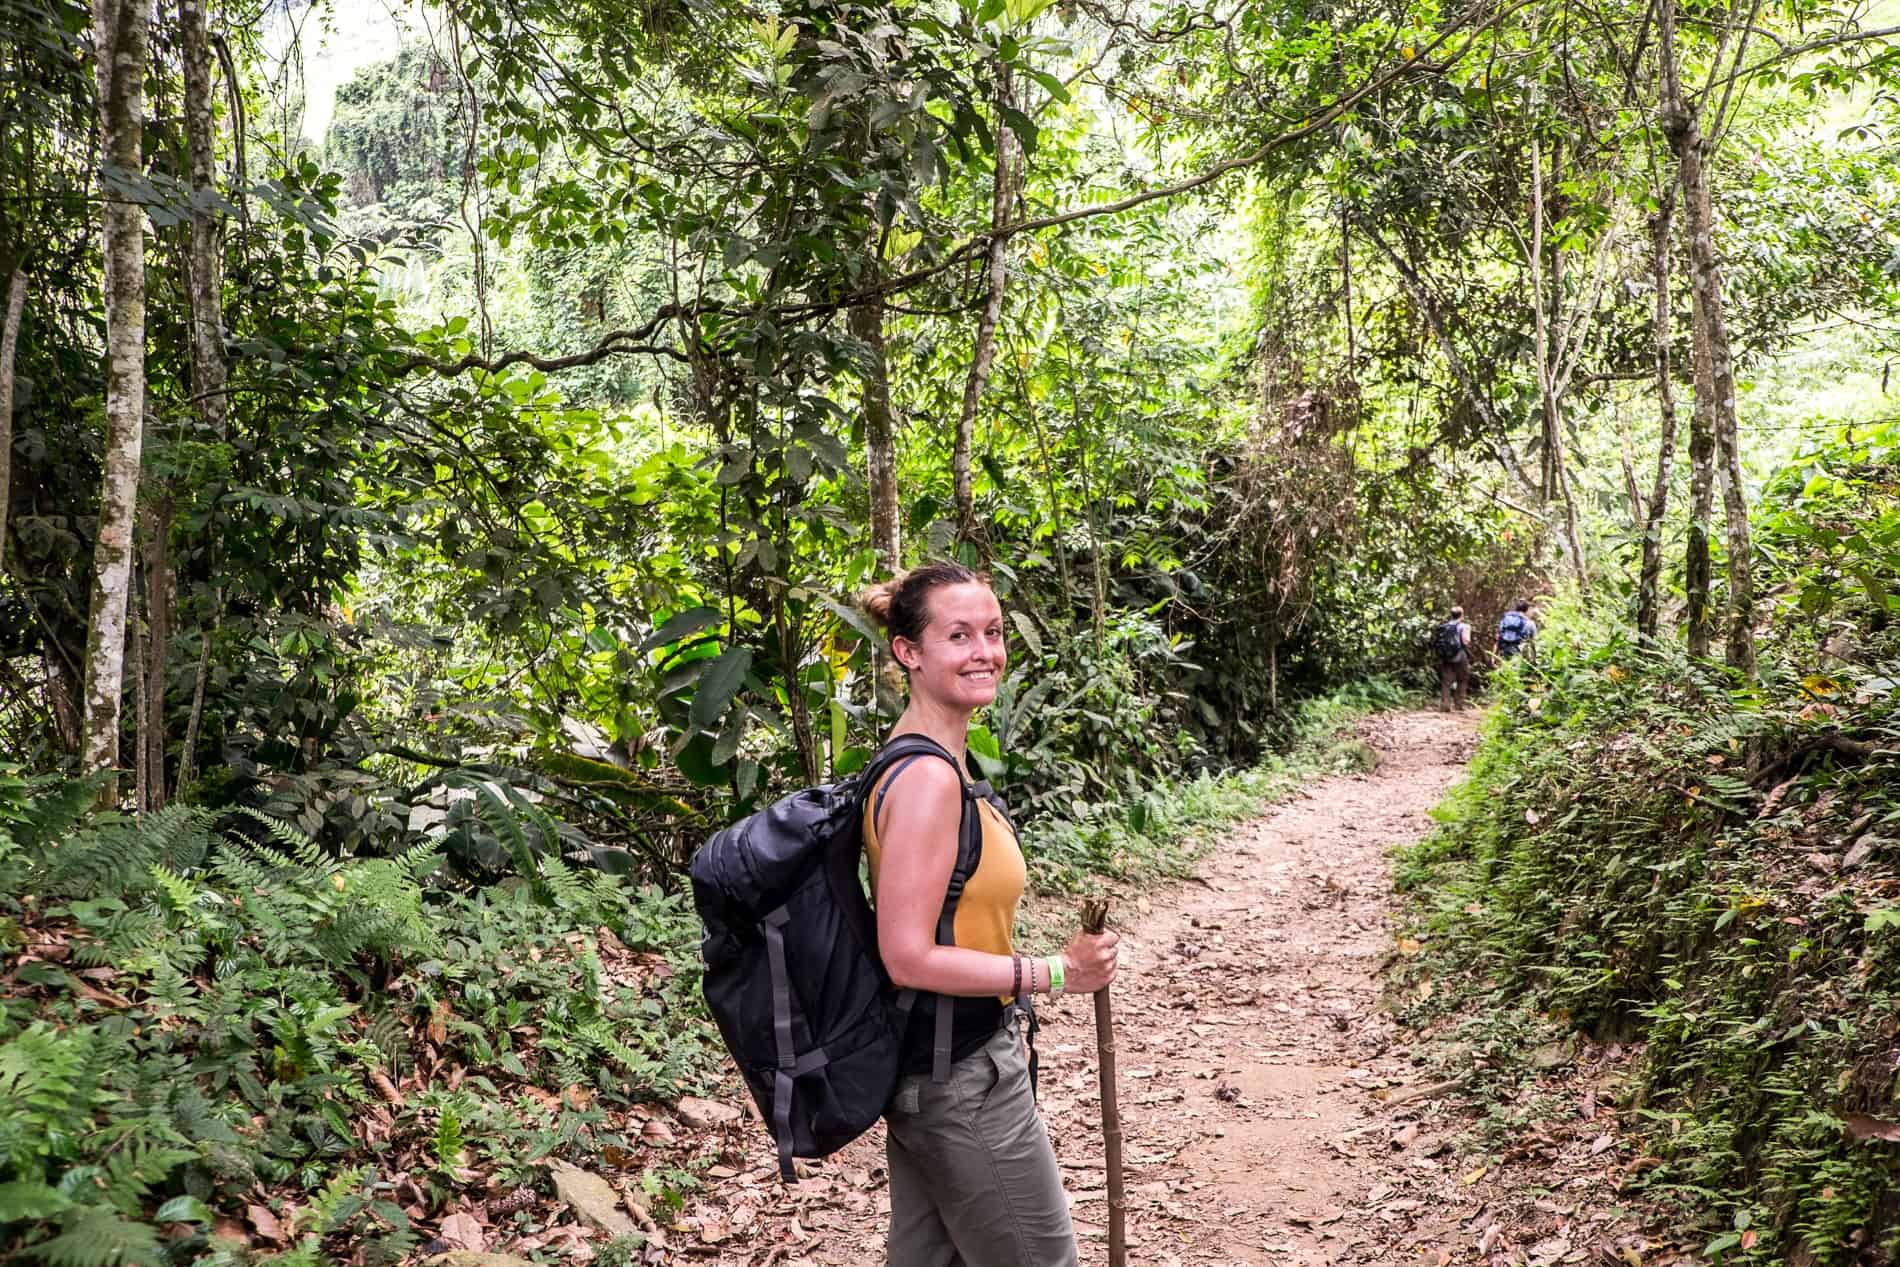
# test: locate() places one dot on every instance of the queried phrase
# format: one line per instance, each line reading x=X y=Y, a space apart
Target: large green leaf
x=679 y=625
x=718 y=683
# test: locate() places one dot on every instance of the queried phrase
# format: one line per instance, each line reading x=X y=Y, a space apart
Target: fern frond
x=99 y=1237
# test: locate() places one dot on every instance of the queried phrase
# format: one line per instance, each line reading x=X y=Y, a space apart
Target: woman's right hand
x=1089 y=962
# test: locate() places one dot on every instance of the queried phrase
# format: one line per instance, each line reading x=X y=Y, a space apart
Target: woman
x=974 y=1181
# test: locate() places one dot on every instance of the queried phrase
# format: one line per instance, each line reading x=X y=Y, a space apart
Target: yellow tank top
x=986 y=913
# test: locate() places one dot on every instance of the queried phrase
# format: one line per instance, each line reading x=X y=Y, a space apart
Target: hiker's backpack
x=1513 y=628
x=1448 y=641
x=793 y=978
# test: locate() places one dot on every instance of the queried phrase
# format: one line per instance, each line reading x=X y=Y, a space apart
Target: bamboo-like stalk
x=1095 y=920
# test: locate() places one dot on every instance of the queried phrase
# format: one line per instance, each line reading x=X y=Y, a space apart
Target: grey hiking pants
x=974 y=1180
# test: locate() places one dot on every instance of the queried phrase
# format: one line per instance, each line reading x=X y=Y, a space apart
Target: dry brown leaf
x=265 y=1222
x=1862 y=1127
x=656 y=1132
x=700 y=1114
x=462 y=1231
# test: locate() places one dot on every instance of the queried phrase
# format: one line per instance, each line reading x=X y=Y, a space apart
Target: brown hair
x=902 y=604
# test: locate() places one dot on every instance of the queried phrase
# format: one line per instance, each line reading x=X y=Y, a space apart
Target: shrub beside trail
x=1646 y=852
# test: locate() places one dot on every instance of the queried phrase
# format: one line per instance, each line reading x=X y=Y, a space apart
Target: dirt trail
x=1272 y=1114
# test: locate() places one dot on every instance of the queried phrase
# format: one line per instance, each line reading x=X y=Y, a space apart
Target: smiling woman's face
x=960 y=657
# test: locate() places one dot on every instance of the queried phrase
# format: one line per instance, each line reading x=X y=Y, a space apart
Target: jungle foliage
x=1649 y=850
x=458 y=513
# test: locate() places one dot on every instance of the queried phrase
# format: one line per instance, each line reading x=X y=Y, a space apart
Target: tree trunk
x=120 y=29
x=880 y=436
x=62 y=697
x=9 y=346
x=790 y=655
x=135 y=653
x=1711 y=319
x=205 y=263
x=1698 y=570
x=1685 y=141
x=159 y=601
x=1741 y=564
x=1556 y=478
x=194 y=719
x=1001 y=193
x=1648 y=602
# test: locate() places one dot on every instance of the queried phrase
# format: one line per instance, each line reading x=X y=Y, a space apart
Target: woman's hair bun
x=876 y=601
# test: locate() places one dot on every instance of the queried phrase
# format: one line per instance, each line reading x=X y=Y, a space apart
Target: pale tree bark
x=1679 y=125
x=1715 y=367
x=205 y=271
x=880 y=436
x=1001 y=195
x=120 y=28
x=1648 y=585
x=9 y=348
x=160 y=596
x=1698 y=569
x=1551 y=377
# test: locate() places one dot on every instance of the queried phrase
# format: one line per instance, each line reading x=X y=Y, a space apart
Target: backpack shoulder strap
x=894 y=756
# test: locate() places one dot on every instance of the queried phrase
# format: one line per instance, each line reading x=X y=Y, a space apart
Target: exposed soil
x=1273 y=1110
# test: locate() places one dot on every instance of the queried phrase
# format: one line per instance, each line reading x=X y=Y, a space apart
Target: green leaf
x=727 y=745
x=718 y=682
x=186 y=1209
x=679 y=625
x=1053 y=86
x=854 y=618
x=25 y=1200
x=984 y=744
x=1026 y=628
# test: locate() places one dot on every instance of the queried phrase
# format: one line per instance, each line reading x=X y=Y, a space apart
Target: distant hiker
x=1515 y=630
x=974 y=1179
x=1452 y=643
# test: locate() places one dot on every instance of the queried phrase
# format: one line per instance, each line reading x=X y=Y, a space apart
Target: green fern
x=49 y=1080
x=106 y=858
x=99 y=1237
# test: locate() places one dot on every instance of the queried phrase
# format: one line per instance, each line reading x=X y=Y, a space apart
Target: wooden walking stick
x=1095 y=920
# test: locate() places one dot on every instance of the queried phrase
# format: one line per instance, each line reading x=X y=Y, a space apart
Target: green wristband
x=1056 y=975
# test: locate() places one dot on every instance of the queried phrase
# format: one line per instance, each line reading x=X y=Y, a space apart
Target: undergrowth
x=1645 y=852
x=199 y=1022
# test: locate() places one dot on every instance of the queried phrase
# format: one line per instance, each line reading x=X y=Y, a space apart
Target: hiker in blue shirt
x=1516 y=630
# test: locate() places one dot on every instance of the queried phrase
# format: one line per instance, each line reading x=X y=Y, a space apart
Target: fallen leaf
x=656 y=1132
x=265 y=1222
x=699 y=1114
x=1475 y=1175
x=1862 y=1127
x=461 y=1231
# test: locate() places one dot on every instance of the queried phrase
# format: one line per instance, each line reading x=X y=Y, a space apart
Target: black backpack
x=793 y=977
x=1448 y=641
